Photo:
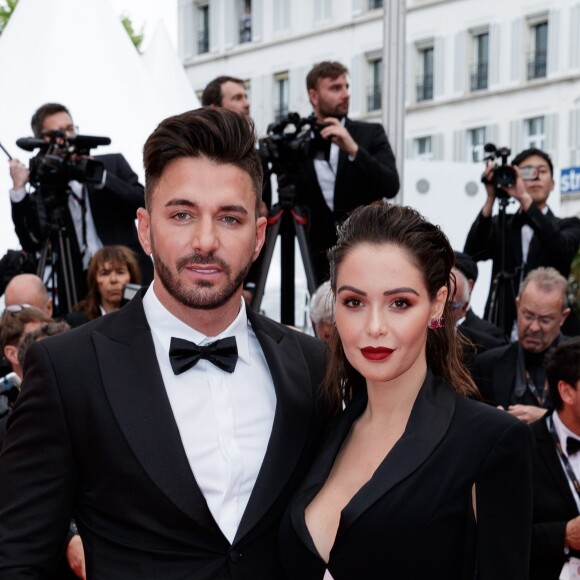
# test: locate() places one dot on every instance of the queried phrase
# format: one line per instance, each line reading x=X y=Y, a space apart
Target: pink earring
x=435 y=323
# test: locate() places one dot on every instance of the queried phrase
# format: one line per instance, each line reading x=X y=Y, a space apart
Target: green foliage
x=136 y=37
x=6 y=10
x=574 y=285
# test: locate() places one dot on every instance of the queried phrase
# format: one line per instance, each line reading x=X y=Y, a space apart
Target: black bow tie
x=184 y=354
x=572 y=446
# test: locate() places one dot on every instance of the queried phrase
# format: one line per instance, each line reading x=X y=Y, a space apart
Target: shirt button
x=235 y=556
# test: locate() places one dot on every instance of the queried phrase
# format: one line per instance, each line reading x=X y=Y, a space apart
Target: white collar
x=562 y=431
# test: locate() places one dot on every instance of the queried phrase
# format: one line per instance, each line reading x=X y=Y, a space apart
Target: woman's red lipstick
x=379 y=353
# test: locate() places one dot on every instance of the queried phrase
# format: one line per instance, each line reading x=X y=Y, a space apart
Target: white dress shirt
x=224 y=419
x=527 y=234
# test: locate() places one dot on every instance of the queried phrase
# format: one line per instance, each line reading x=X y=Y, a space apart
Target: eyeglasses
x=457 y=305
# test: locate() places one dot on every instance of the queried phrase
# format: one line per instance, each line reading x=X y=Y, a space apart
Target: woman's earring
x=435 y=323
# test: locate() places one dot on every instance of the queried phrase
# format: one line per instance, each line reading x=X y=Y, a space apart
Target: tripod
x=502 y=288
x=287 y=220
x=57 y=254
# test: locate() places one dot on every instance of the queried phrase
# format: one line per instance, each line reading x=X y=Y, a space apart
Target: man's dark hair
x=220 y=135
x=563 y=364
x=42 y=113
x=212 y=94
x=324 y=70
x=521 y=157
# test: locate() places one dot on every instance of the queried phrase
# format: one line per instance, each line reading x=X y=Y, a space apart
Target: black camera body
x=294 y=139
x=503 y=175
x=62 y=159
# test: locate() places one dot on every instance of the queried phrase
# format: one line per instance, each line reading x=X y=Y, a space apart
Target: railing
x=281 y=112
x=479 y=76
x=425 y=88
x=203 y=42
x=245 y=28
x=374 y=98
x=538 y=65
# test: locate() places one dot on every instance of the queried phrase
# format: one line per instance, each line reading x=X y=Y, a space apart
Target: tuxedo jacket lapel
x=294 y=411
x=547 y=452
x=135 y=390
x=428 y=424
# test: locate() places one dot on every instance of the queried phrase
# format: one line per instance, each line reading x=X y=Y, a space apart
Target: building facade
x=476 y=72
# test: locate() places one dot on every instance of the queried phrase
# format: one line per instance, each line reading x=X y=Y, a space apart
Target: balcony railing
x=203 y=42
x=479 y=76
x=246 y=28
x=538 y=65
x=281 y=112
x=425 y=88
x=374 y=98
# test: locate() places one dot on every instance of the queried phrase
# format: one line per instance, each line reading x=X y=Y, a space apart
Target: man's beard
x=203 y=296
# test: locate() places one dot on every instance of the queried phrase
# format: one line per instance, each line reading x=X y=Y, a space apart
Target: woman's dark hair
x=115 y=255
x=429 y=248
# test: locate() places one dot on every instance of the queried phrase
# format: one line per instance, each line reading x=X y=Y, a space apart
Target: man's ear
x=11 y=355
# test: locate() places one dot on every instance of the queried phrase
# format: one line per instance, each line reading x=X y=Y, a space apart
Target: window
x=534 y=133
x=375 y=85
x=245 y=20
x=423 y=148
x=479 y=69
x=203 y=29
x=425 y=77
x=375 y=4
x=538 y=57
x=281 y=95
x=475 y=143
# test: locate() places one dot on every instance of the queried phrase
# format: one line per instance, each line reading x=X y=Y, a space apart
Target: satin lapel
x=292 y=419
x=547 y=452
x=133 y=384
x=428 y=424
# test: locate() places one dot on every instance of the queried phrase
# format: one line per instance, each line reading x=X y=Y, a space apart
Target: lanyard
x=542 y=397
x=569 y=471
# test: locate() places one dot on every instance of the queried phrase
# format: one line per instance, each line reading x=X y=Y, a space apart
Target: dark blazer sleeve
x=37 y=488
x=504 y=506
x=376 y=162
x=122 y=182
x=478 y=244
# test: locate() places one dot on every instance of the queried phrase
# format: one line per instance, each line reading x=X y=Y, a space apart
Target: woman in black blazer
x=415 y=478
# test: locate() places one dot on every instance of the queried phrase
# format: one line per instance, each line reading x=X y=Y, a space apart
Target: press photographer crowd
x=155 y=424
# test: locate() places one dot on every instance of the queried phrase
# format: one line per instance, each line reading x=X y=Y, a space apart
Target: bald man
x=28 y=289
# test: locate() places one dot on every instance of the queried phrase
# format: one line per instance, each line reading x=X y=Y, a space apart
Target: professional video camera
x=505 y=175
x=62 y=159
x=294 y=139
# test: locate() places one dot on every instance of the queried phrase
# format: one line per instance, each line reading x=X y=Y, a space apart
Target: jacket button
x=235 y=556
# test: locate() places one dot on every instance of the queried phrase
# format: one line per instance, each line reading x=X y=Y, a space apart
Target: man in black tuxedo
x=513 y=376
x=359 y=170
x=176 y=429
x=96 y=214
x=534 y=236
x=556 y=529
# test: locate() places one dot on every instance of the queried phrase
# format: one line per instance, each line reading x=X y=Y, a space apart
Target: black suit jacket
x=372 y=175
x=554 y=506
x=113 y=208
x=93 y=434
x=414 y=517
x=554 y=243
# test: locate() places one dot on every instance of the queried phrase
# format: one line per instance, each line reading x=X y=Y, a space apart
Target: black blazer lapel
x=292 y=419
x=546 y=452
x=135 y=390
x=428 y=424
x=504 y=373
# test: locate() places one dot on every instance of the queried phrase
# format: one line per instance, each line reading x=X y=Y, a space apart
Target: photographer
x=359 y=170
x=98 y=214
x=534 y=237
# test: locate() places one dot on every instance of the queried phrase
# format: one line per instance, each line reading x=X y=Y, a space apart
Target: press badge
x=574 y=568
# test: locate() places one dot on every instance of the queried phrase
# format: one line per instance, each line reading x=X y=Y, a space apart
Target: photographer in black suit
x=98 y=214
x=360 y=169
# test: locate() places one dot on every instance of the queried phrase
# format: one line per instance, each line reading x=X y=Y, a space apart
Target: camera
x=294 y=139
x=62 y=159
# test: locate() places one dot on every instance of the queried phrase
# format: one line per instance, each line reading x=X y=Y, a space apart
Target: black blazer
x=93 y=434
x=414 y=518
x=554 y=243
x=113 y=207
x=372 y=175
x=554 y=506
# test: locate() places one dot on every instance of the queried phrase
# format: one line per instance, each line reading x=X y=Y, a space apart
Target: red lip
x=379 y=353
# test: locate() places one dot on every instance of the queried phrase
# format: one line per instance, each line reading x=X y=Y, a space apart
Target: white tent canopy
x=76 y=52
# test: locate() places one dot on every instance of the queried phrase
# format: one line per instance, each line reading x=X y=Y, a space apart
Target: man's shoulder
x=369 y=127
x=493 y=355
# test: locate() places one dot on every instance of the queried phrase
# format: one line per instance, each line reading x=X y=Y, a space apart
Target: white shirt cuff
x=17 y=195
